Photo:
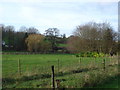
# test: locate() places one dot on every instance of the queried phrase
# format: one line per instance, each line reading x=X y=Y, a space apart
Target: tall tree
x=88 y=34
x=51 y=35
x=32 y=30
x=9 y=36
x=36 y=43
x=93 y=36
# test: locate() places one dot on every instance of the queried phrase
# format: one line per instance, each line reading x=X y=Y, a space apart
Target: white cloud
x=64 y=16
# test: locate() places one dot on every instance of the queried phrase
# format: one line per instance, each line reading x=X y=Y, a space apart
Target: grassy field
x=73 y=72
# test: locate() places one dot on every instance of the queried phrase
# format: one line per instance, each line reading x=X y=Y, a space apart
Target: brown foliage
x=92 y=37
x=36 y=42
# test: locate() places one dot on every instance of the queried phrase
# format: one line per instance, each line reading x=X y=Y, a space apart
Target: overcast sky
x=64 y=15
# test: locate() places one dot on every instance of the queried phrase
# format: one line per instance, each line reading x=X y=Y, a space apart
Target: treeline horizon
x=13 y=40
x=89 y=37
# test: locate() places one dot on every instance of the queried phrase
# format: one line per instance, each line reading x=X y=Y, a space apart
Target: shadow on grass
x=6 y=81
x=43 y=76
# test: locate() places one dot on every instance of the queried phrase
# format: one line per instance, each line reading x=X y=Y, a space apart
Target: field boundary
x=20 y=53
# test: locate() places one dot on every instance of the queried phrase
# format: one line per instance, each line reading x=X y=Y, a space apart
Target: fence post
x=104 y=64
x=80 y=62
x=94 y=62
x=19 y=67
x=58 y=65
x=53 y=80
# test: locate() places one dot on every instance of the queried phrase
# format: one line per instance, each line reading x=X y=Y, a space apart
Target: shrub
x=77 y=55
x=95 y=54
x=81 y=54
x=90 y=54
x=101 y=54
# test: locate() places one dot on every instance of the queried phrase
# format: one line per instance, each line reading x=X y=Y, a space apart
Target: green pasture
x=36 y=70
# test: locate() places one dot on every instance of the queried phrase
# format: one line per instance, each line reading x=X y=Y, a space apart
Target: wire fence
x=80 y=64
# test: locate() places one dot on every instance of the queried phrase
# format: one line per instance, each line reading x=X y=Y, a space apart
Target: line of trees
x=98 y=37
x=92 y=37
x=29 y=39
x=15 y=40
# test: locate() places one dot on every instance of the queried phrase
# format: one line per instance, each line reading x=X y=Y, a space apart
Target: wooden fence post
x=104 y=64
x=53 y=80
x=94 y=62
x=58 y=65
x=80 y=62
x=19 y=67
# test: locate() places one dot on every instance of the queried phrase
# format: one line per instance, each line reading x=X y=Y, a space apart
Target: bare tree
x=93 y=36
x=32 y=30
